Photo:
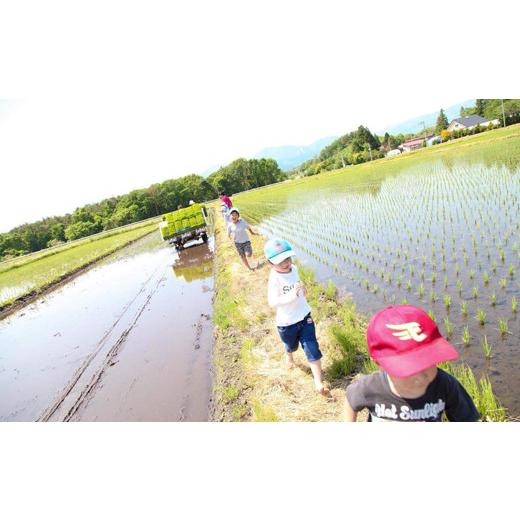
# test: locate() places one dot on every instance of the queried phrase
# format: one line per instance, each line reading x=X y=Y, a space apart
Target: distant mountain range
x=290 y=156
x=412 y=126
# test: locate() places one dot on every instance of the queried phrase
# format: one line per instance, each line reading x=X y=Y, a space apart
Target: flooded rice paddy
x=441 y=233
x=128 y=340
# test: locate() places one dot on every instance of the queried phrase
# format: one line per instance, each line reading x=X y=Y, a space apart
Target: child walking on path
x=238 y=227
x=225 y=199
x=406 y=343
x=293 y=314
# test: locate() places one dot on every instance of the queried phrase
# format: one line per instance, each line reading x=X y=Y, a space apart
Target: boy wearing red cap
x=406 y=343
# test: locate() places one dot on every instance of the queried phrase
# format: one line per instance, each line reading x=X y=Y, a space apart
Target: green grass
x=20 y=261
x=231 y=393
x=481 y=392
x=263 y=413
x=246 y=352
x=23 y=276
x=347 y=342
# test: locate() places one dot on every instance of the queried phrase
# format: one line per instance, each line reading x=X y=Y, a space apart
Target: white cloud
x=118 y=95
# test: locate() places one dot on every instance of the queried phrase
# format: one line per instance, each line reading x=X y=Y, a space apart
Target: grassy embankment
x=251 y=382
x=23 y=279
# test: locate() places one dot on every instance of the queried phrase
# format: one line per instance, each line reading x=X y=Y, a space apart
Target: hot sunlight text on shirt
x=429 y=411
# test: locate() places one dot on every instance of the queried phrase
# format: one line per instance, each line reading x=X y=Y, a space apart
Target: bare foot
x=324 y=391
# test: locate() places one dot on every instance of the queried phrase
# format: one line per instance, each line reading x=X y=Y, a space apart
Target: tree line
x=492 y=109
x=160 y=198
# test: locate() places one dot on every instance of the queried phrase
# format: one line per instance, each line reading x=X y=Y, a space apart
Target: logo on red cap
x=410 y=330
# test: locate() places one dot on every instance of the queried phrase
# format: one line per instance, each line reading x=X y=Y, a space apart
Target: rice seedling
x=493 y=298
x=486 y=348
x=513 y=304
x=486 y=277
x=465 y=336
x=481 y=316
x=409 y=285
x=471 y=274
x=464 y=308
x=433 y=277
x=447 y=301
x=494 y=266
x=502 y=283
x=475 y=292
x=511 y=271
x=502 y=327
x=432 y=296
x=404 y=301
x=431 y=314
x=448 y=326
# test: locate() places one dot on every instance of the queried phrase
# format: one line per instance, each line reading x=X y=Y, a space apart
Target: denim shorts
x=302 y=332
x=244 y=248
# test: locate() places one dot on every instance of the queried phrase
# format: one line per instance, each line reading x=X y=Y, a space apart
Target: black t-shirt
x=443 y=394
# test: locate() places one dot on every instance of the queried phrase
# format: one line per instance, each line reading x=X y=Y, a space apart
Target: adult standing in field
x=225 y=199
x=238 y=227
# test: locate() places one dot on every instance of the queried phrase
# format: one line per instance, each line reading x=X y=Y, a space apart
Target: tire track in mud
x=53 y=411
x=199 y=328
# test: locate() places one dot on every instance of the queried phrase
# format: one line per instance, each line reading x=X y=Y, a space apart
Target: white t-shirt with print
x=239 y=230
x=291 y=305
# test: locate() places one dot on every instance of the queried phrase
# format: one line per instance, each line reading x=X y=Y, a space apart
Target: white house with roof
x=468 y=122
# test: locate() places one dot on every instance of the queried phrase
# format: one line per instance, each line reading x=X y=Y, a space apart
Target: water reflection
x=193 y=263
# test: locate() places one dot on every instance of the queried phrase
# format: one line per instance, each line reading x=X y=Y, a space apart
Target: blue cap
x=277 y=250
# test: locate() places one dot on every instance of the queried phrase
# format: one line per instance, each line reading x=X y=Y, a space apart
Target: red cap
x=403 y=340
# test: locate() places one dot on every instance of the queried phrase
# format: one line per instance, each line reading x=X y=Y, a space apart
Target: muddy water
x=129 y=340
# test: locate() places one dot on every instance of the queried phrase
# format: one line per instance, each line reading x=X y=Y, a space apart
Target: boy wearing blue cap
x=295 y=325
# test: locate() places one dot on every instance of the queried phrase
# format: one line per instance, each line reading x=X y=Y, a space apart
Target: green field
x=25 y=275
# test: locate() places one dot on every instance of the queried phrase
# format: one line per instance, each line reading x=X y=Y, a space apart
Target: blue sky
x=114 y=96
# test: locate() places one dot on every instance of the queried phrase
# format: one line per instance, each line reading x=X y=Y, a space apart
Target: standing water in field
x=440 y=231
x=129 y=340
